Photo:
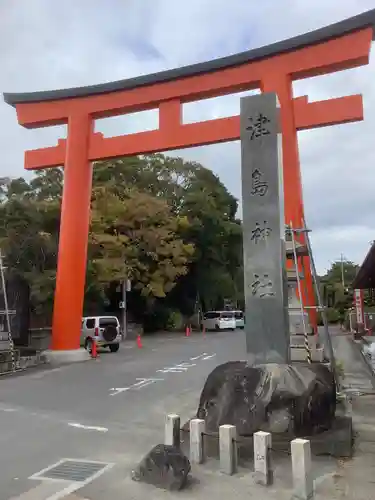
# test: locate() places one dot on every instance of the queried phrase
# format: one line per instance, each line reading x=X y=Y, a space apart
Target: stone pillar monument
x=266 y=296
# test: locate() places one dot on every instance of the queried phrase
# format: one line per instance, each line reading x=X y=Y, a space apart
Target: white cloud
x=48 y=45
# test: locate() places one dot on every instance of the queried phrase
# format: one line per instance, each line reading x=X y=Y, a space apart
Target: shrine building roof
x=365 y=278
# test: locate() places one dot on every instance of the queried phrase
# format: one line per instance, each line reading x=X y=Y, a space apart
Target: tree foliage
x=337 y=291
x=167 y=224
x=137 y=236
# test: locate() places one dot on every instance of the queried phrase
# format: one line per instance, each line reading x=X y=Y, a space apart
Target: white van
x=105 y=330
x=219 y=320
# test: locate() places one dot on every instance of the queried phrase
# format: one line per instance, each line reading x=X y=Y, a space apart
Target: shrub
x=175 y=321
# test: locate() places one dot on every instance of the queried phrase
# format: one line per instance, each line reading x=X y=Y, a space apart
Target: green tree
x=137 y=236
x=193 y=191
x=168 y=224
x=337 y=289
x=29 y=245
x=342 y=272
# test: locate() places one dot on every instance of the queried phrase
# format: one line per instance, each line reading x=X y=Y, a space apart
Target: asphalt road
x=110 y=410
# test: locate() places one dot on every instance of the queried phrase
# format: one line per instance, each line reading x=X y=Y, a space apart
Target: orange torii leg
x=293 y=198
x=74 y=227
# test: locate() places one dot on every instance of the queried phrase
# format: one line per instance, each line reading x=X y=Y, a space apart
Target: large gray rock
x=294 y=399
x=164 y=466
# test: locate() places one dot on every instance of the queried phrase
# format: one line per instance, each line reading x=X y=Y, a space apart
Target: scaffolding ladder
x=296 y=252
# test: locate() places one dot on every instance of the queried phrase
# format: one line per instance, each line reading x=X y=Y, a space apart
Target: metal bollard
x=301 y=467
x=228 y=449
x=197 y=428
x=172 y=430
x=262 y=458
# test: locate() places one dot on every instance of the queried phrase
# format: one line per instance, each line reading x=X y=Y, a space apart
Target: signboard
x=358 y=303
x=122 y=305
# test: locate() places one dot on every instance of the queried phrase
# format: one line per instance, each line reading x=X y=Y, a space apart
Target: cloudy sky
x=47 y=45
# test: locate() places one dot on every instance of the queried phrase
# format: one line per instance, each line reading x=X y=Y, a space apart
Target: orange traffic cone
x=94 y=350
x=139 y=341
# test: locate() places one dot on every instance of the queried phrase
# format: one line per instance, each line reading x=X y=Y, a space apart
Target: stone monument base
x=58 y=358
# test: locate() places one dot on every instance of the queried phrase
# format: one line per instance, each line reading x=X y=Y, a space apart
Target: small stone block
x=197 y=429
x=172 y=430
x=301 y=467
x=228 y=449
x=164 y=467
x=262 y=458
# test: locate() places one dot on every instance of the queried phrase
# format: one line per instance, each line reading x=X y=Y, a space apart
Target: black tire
x=114 y=347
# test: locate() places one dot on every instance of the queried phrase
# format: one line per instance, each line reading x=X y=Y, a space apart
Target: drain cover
x=71 y=470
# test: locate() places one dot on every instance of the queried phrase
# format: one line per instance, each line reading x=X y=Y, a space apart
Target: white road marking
x=65 y=492
x=144 y=385
x=198 y=357
x=54 y=418
x=88 y=427
x=209 y=357
x=142 y=382
x=181 y=367
x=118 y=390
x=178 y=368
x=170 y=370
x=185 y=365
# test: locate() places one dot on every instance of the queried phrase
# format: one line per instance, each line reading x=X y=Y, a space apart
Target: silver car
x=105 y=330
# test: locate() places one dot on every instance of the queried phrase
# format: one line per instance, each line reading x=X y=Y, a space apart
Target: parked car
x=219 y=320
x=105 y=330
x=240 y=319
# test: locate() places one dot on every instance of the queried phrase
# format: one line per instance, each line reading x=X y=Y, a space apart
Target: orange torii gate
x=272 y=68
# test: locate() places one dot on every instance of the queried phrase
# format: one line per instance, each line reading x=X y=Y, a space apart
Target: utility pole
x=126 y=287
x=342 y=272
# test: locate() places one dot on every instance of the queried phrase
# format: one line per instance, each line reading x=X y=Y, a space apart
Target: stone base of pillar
x=57 y=358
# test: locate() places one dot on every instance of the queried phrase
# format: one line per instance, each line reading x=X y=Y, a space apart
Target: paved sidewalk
x=349 y=479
